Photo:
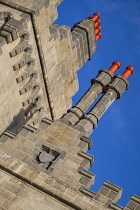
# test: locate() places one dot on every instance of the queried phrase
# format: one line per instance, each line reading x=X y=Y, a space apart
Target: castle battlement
x=43 y=141
x=51 y=161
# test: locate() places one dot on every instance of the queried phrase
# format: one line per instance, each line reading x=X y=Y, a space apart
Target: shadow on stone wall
x=18 y=121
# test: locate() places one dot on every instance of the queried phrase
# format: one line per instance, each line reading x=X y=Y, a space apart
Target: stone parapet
x=51 y=162
x=108 y=193
x=53 y=149
x=25 y=188
x=134 y=203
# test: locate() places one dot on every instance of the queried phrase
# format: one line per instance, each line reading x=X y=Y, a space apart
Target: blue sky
x=116 y=140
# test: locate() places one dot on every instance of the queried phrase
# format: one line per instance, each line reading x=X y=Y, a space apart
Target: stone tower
x=43 y=159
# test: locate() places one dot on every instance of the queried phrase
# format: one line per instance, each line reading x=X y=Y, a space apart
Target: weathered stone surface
x=46 y=166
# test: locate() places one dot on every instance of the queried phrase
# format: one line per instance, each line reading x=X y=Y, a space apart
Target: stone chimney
x=98 y=86
x=114 y=90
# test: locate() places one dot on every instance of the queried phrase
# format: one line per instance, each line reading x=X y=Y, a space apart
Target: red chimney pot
x=98 y=29
x=129 y=70
x=115 y=65
x=97 y=23
x=95 y=16
x=98 y=36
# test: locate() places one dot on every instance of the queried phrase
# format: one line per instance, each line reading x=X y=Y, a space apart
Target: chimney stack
x=98 y=86
x=113 y=91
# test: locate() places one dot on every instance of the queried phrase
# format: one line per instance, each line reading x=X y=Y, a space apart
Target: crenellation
x=108 y=193
x=87 y=159
x=134 y=203
x=58 y=189
x=87 y=192
x=85 y=143
x=44 y=159
x=116 y=206
x=70 y=164
x=87 y=179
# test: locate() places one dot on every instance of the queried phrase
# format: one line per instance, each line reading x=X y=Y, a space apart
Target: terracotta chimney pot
x=129 y=70
x=115 y=65
x=98 y=36
x=95 y=16
x=98 y=29
x=97 y=23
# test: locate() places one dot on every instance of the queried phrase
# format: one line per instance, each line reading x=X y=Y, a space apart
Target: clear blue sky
x=116 y=140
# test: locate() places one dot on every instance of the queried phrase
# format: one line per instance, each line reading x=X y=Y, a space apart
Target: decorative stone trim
x=30 y=128
x=85 y=142
x=47 y=121
x=10 y=134
x=87 y=192
x=7 y=134
x=44 y=157
x=115 y=206
x=87 y=178
x=88 y=159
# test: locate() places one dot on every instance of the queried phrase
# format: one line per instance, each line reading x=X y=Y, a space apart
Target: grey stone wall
x=47 y=167
x=17 y=195
x=23 y=95
x=56 y=150
x=42 y=60
x=44 y=164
